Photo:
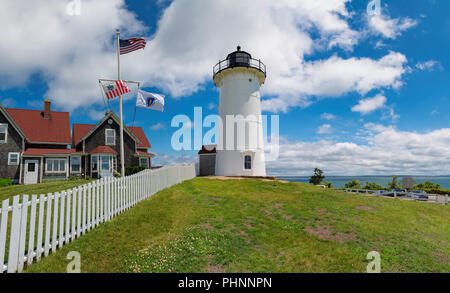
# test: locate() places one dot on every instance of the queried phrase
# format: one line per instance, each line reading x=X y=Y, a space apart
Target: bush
x=372 y=186
x=354 y=184
x=427 y=185
x=130 y=170
x=5 y=182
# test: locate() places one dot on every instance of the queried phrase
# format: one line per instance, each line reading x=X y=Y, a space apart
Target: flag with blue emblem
x=150 y=101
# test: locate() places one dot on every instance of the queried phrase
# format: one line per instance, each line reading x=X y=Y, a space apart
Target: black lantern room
x=239 y=58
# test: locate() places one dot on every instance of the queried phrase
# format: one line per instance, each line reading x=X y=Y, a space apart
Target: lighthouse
x=240 y=142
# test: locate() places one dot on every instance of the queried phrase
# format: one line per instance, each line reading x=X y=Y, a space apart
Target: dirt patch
x=297 y=192
x=248 y=225
x=365 y=208
x=326 y=233
x=278 y=205
x=213 y=269
x=287 y=217
x=441 y=256
x=217 y=198
x=207 y=226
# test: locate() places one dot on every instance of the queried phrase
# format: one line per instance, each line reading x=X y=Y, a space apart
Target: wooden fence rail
x=38 y=225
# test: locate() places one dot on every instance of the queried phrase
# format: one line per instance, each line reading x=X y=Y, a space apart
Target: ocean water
x=339 y=181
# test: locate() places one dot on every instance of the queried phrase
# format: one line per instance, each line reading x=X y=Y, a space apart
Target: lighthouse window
x=247 y=162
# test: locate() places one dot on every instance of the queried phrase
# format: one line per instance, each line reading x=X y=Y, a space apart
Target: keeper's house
x=37 y=145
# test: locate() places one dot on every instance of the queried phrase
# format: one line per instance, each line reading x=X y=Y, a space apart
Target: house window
x=143 y=162
x=110 y=135
x=55 y=165
x=247 y=162
x=94 y=163
x=3 y=133
x=105 y=163
x=13 y=159
x=76 y=164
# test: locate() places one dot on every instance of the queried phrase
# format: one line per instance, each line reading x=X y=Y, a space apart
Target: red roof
x=139 y=133
x=103 y=150
x=80 y=130
x=42 y=152
x=39 y=129
x=145 y=153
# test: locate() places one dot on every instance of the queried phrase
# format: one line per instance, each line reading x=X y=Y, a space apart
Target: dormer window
x=110 y=136
x=3 y=133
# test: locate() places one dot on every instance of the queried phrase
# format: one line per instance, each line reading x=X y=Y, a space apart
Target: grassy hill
x=210 y=225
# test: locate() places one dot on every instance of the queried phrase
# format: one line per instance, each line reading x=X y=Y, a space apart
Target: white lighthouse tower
x=240 y=148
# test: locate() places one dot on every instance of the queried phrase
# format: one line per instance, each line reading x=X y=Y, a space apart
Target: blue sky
x=356 y=94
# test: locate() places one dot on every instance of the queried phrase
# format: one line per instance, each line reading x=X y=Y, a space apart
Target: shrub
x=372 y=186
x=354 y=184
x=5 y=182
x=427 y=185
x=130 y=170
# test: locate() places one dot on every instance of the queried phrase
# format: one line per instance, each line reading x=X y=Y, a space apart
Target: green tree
x=317 y=178
x=427 y=185
x=372 y=186
x=394 y=183
x=354 y=184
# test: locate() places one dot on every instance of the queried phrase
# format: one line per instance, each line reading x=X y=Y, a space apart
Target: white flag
x=150 y=101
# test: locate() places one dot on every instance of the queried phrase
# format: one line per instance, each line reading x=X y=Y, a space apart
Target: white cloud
x=211 y=106
x=324 y=129
x=366 y=106
x=158 y=126
x=96 y=115
x=72 y=52
x=327 y=116
x=428 y=65
x=388 y=27
x=388 y=151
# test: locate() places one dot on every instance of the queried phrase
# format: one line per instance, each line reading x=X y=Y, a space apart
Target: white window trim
x=101 y=163
x=71 y=165
x=98 y=159
x=53 y=159
x=6 y=133
x=106 y=137
x=9 y=159
x=252 y=155
x=146 y=159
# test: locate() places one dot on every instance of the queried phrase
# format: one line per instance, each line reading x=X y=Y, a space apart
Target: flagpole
x=122 y=158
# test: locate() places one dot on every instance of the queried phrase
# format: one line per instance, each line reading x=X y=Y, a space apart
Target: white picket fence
x=63 y=216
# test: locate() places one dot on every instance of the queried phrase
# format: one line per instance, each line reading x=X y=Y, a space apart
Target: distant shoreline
x=339 y=181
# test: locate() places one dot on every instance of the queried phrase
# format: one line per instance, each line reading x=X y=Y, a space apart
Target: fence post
x=3 y=228
x=55 y=222
x=69 y=195
x=15 y=234
x=61 y=220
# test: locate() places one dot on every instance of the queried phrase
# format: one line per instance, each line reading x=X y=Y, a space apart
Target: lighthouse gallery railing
x=239 y=62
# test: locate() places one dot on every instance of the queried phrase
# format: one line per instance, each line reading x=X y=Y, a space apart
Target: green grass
x=41 y=188
x=206 y=225
x=5 y=182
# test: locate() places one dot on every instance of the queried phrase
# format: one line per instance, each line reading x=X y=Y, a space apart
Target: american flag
x=130 y=45
x=115 y=89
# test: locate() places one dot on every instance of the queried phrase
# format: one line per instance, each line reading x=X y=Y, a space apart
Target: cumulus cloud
x=428 y=65
x=366 y=106
x=324 y=129
x=388 y=27
x=387 y=151
x=72 y=52
x=327 y=116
